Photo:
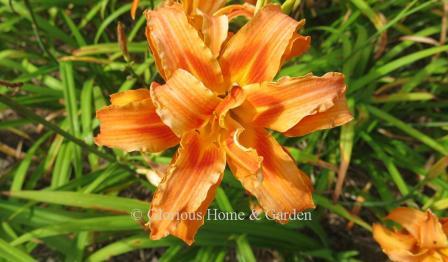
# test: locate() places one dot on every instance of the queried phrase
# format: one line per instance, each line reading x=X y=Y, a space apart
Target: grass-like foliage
x=65 y=198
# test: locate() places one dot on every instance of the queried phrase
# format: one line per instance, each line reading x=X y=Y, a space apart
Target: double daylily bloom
x=218 y=103
x=423 y=236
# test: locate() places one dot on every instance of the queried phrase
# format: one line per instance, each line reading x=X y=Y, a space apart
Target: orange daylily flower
x=218 y=106
x=423 y=237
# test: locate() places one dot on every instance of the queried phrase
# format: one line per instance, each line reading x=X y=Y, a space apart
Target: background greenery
x=66 y=199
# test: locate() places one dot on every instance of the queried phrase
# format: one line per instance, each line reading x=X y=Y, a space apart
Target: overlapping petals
x=215 y=31
x=421 y=239
x=141 y=129
x=183 y=103
x=206 y=6
x=268 y=172
x=214 y=28
x=396 y=245
x=234 y=99
x=233 y=11
x=176 y=44
x=409 y=218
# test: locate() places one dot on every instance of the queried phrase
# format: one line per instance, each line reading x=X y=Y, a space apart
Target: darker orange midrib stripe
x=270 y=47
x=192 y=56
x=169 y=47
x=196 y=99
x=182 y=199
x=183 y=112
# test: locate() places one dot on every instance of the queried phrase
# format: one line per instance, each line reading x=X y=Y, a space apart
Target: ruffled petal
x=409 y=218
x=431 y=233
x=336 y=115
x=184 y=103
x=280 y=106
x=179 y=205
x=268 y=172
x=255 y=52
x=131 y=123
x=176 y=44
x=396 y=245
x=298 y=45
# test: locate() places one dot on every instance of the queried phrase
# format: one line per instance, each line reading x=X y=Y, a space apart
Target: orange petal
x=206 y=6
x=282 y=105
x=336 y=115
x=390 y=240
x=407 y=256
x=209 y=7
x=131 y=124
x=409 y=218
x=431 y=233
x=186 y=229
x=188 y=187
x=234 y=99
x=214 y=30
x=184 y=103
x=254 y=53
x=134 y=8
x=175 y=44
x=233 y=11
x=126 y=97
x=268 y=172
x=298 y=45
x=396 y=245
